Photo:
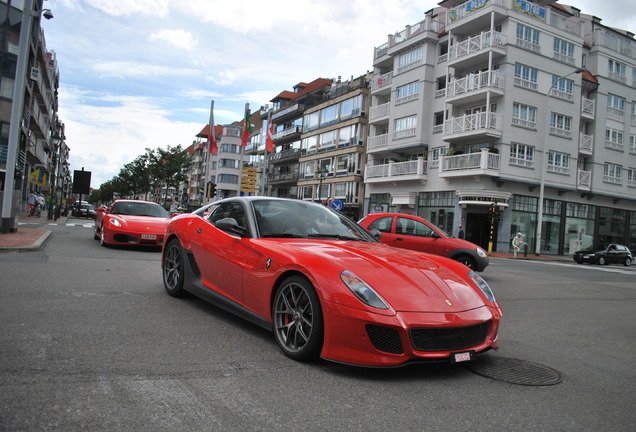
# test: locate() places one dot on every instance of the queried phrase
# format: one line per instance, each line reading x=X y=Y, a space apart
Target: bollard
x=525 y=251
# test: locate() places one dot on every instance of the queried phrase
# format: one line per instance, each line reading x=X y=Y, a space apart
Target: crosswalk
x=84 y=225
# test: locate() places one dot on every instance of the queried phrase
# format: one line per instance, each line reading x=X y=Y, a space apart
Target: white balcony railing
x=584 y=179
x=487 y=79
x=484 y=162
x=587 y=106
x=396 y=169
x=472 y=122
x=586 y=143
x=377 y=142
x=380 y=81
x=476 y=44
x=379 y=111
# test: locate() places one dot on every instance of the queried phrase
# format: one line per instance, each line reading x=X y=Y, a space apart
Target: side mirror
x=230 y=225
x=435 y=235
x=376 y=234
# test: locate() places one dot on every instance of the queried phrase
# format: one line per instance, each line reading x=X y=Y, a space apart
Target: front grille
x=385 y=339
x=448 y=338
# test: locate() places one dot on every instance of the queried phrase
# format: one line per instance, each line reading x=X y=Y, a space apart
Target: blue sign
x=337 y=205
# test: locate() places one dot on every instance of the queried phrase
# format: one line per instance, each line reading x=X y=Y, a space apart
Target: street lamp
x=544 y=164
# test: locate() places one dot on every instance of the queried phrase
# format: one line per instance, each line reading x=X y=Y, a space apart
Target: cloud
x=179 y=38
x=155 y=8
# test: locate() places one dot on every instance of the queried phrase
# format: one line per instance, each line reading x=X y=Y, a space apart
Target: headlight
x=482 y=253
x=362 y=290
x=115 y=222
x=483 y=286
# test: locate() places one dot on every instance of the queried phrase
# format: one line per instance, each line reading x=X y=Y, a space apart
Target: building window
x=526 y=76
x=230 y=148
x=613 y=139
x=558 y=162
x=562 y=87
x=528 y=37
x=521 y=155
x=563 y=50
x=410 y=60
x=560 y=125
x=351 y=107
x=612 y=173
x=328 y=115
x=524 y=116
x=405 y=127
x=228 y=178
x=631 y=177
x=616 y=70
x=407 y=93
x=310 y=122
x=228 y=163
x=327 y=141
x=632 y=143
x=310 y=144
x=615 y=105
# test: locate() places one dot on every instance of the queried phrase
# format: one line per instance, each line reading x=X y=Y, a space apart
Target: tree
x=168 y=168
x=135 y=177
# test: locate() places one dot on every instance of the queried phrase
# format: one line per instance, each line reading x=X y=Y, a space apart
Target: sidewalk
x=28 y=239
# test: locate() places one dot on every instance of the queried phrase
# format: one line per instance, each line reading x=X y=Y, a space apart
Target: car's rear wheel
x=602 y=261
x=173 y=269
x=627 y=262
x=96 y=233
x=467 y=261
x=297 y=319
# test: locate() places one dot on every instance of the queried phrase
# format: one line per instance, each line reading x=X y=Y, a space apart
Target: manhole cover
x=514 y=371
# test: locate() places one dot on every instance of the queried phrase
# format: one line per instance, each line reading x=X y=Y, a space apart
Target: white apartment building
x=501 y=103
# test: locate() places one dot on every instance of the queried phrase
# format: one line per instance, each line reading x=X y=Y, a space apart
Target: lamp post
x=544 y=162
x=321 y=176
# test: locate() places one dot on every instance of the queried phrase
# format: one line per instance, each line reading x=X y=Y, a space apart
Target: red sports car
x=131 y=222
x=326 y=287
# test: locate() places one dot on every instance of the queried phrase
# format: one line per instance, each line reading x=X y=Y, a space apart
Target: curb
x=34 y=246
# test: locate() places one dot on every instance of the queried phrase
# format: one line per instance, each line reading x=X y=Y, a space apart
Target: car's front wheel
x=173 y=269
x=627 y=262
x=102 y=240
x=297 y=319
x=467 y=261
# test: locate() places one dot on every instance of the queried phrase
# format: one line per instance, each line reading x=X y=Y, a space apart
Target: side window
x=383 y=224
x=412 y=227
x=229 y=210
x=422 y=229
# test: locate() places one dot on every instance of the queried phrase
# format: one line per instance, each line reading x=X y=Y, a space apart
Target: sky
x=137 y=74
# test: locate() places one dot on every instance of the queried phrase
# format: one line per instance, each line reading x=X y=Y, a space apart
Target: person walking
x=460 y=234
x=31 y=201
x=516 y=244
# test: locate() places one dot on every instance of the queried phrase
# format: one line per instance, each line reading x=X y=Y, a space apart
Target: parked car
x=605 y=253
x=131 y=222
x=87 y=211
x=326 y=287
x=416 y=233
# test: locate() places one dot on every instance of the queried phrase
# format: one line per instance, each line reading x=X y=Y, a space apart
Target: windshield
x=300 y=219
x=139 y=209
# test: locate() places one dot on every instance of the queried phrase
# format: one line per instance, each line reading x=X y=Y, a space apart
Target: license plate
x=460 y=357
x=149 y=237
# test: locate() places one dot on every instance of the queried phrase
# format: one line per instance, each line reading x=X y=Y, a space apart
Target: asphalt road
x=90 y=341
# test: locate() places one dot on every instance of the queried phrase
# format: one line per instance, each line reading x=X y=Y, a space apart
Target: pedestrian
x=31 y=201
x=516 y=244
x=461 y=232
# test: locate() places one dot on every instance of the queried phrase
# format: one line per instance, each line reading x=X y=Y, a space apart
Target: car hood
x=146 y=223
x=408 y=280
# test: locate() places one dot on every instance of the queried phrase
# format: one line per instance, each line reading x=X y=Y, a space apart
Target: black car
x=605 y=253
x=87 y=211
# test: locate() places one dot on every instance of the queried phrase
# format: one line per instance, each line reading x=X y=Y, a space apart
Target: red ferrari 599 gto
x=326 y=287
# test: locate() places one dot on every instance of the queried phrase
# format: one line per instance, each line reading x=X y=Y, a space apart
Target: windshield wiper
x=336 y=236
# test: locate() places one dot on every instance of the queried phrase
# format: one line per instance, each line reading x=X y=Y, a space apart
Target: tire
x=297 y=319
x=173 y=269
x=627 y=262
x=467 y=261
x=602 y=261
x=101 y=237
x=95 y=233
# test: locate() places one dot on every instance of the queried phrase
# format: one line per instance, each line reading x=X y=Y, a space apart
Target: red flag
x=270 y=140
x=247 y=126
x=213 y=146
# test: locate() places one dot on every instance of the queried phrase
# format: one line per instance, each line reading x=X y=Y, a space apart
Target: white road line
x=586 y=267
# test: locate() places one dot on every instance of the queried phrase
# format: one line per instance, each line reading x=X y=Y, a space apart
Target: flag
x=213 y=146
x=38 y=177
x=247 y=126
x=270 y=133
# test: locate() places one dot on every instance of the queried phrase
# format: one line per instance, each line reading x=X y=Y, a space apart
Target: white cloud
x=179 y=38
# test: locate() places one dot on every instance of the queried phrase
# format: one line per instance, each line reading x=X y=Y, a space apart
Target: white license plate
x=461 y=357
x=149 y=237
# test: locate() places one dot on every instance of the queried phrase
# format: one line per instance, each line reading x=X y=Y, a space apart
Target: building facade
x=42 y=156
x=507 y=105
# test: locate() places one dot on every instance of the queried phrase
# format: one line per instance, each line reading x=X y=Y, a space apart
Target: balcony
x=377 y=143
x=428 y=29
x=282 y=178
x=584 y=180
x=379 y=111
x=294 y=110
x=586 y=144
x=473 y=87
x=287 y=133
x=396 y=171
x=587 y=108
x=476 y=46
x=479 y=125
x=382 y=83
x=483 y=163
x=285 y=155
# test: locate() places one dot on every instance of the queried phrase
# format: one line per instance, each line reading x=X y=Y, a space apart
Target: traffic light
x=212 y=189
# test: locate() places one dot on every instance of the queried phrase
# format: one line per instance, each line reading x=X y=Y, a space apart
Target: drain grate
x=514 y=371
